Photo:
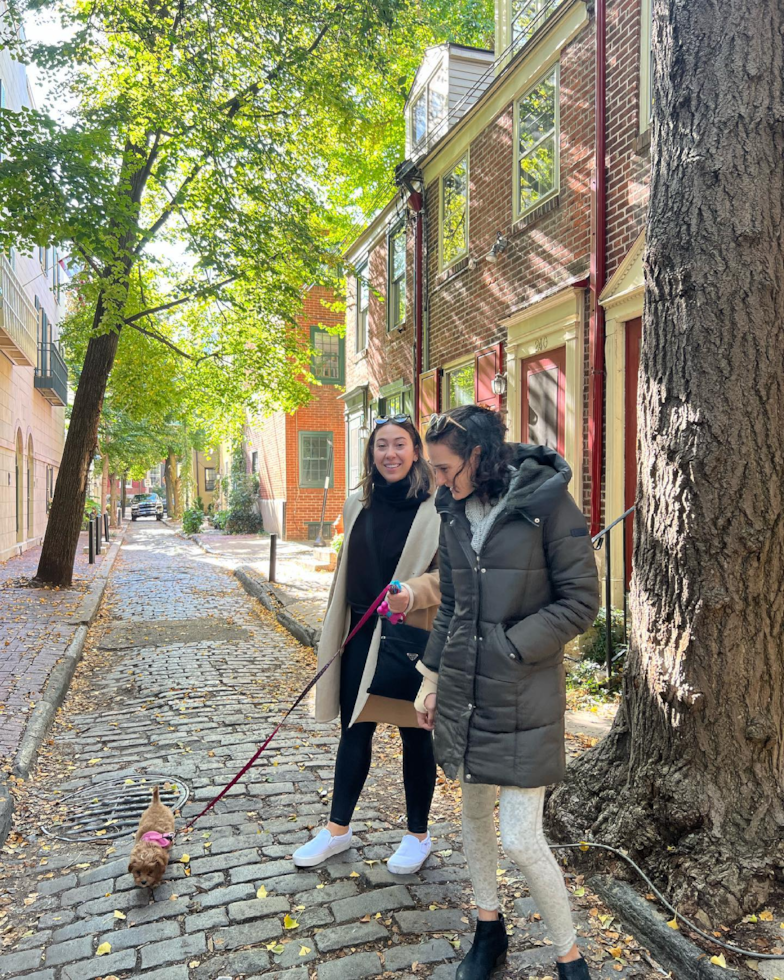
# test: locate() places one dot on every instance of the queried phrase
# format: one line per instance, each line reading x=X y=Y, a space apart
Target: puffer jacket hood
x=505 y=616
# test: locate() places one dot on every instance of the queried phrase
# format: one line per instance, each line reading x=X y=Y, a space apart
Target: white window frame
x=417 y=145
x=518 y=212
x=646 y=64
x=451 y=368
x=362 y=277
x=442 y=263
x=392 y=284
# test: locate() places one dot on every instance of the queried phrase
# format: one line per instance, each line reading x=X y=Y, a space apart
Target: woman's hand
x=398 y=603
x=427 y=719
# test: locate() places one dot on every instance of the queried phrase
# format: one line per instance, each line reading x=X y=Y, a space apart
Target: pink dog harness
x=164 y=840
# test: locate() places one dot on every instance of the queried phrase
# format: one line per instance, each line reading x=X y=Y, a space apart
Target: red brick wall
x=277 y=438
x=628 y=156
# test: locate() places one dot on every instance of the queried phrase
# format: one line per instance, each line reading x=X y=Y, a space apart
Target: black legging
x=356 y=747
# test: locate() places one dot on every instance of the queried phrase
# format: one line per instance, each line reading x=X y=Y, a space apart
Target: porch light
x=499 y=245
x=498 y=384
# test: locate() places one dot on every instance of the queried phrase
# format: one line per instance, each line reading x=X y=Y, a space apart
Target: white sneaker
x=410 y=855
x=321 y=847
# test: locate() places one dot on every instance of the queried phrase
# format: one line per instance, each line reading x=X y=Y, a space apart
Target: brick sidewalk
x=36 y=626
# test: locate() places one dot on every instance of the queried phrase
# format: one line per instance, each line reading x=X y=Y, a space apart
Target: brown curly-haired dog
x=150 y=854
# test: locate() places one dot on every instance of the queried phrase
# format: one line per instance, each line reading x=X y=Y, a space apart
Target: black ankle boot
x=576 y=970
x=487 y=953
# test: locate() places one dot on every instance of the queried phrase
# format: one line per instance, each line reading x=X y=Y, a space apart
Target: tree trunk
x=691 y=778
x=113 y=505
x=177 y=491
x=123 y=493
x=104 y=482
x=65 y=518
x=170 y=470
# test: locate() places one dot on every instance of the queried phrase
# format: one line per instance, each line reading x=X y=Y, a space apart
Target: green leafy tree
x=222 y=134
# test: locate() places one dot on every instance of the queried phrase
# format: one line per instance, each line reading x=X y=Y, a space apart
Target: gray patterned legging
x=525 y=844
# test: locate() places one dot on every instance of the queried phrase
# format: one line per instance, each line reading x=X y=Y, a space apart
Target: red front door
x=544 y=399
x=633 y=338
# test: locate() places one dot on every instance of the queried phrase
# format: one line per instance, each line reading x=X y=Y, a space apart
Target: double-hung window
x=315 y=459
x=363 y=304
x=328 y=357
x=396 y=294
x=209 y=478
x=528 y=16
x=454 y=213
x=428 y=109
x=538 y=125
x=459 y=384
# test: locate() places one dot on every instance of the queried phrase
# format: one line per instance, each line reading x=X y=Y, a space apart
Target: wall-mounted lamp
x=499 y=245
x=364 y=431
x=498 y=384
x=409 y=177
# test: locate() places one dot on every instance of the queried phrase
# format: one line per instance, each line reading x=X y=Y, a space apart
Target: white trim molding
x=553 y=322
x=622 y=299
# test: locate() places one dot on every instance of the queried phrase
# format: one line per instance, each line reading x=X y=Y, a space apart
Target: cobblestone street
x=183 y=675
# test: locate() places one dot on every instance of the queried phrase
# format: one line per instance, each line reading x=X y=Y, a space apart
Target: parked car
x=146 y=505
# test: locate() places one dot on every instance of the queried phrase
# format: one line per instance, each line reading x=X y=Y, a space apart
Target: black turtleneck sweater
x=377 y=540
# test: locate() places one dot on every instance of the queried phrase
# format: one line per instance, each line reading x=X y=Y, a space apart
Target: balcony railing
x=18 y=319
x=51 y=375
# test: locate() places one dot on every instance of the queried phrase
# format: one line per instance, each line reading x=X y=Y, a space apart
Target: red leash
x=308 y=687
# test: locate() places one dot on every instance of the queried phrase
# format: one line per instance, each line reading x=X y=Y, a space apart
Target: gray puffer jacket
x=497 y=641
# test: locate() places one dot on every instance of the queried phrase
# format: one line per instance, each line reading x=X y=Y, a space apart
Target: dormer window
x=428 y=109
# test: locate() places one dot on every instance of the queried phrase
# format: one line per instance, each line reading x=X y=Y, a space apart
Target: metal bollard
x=119 y=516
x=273 y=556
x=91 y=542
x=106 y=526
x=97 y=530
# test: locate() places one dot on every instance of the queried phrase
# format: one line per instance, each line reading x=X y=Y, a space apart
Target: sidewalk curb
x=60 y=678
x=267 y=594
x=672 y=949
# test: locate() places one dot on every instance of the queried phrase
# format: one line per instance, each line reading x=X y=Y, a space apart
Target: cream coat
x=418 y=569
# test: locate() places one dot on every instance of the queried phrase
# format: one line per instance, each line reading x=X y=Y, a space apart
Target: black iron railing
x=604 y=540
x=51 y=374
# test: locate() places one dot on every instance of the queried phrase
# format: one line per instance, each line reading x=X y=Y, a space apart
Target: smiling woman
x=391 y=533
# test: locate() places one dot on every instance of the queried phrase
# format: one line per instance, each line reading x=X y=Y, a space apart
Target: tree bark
x=691 y=778
x=177 y=490
x=104 y=482
x=170 y=470
x=65 y=518
x=123 y=493
x=113 y=506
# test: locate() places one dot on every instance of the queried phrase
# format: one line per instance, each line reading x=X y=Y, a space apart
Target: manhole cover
x=111 y=808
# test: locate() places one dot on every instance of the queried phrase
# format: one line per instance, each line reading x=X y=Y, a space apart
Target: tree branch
x=154 y=335
x=167 y=212
x=128 y=321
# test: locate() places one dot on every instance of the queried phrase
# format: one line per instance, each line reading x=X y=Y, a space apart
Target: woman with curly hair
x=518 y=582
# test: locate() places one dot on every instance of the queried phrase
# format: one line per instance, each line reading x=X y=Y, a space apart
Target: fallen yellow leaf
x=673 y=924
x=304 y=950
x=103 y=949
x=766 y=916
x=93 y=761
x=262 y=892
x=354 y=874
x=185 y=859
x=719 y=961
x=289 y=923
x=118 y=914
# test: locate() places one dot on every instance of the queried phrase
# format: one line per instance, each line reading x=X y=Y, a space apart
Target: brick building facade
x=502 y=193
x=292 y=452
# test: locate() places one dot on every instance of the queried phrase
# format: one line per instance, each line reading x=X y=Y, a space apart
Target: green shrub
x=594 y=644
x=192 y=521
x=239 y=523
x=198 y=504
x=337 y=543
x=89 y=506
x=243 y=494
x=218 y=519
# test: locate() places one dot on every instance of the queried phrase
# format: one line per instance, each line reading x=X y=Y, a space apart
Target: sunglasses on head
x=439 y=422
x=396 y=419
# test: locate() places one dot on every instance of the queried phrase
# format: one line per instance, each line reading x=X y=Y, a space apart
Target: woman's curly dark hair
x=477 y=426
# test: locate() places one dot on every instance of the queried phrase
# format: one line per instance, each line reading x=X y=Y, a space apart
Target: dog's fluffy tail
x=156 y=798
